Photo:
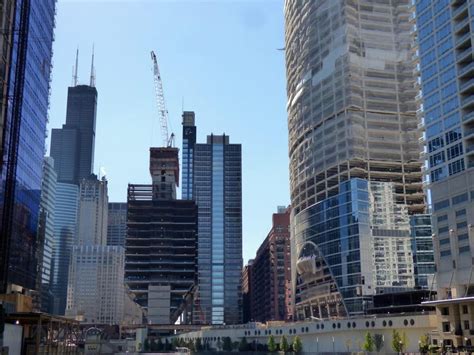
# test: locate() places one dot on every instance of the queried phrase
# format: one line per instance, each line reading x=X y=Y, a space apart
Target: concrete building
x=46 y=233
x=217 y=190
x=351 y=99
x=25 y=85
x=117 y=223
x=65 y=223
x=247 y=292
x=72 y=146
x=270 y=279
x=93 y=212
x=348 y=248
x=445 y=63
x=96 y=292
x=189 y=141
x=161 y=244
x=326 y=336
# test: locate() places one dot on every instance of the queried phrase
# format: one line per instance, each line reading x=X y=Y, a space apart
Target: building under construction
x=160 y=260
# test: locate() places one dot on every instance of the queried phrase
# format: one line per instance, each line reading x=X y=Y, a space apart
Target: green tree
x=235 y=345
x=297 y=345
x=399 y=341
x=378 y=342
x=424 y=344
x=284 y=344
x=153 y=345
x=227 y=344
x=198 y=344
x=167 y=346
x=146 y=345
x=271 y=344
x=174 y=343
x=368 y=343
x=243 y=345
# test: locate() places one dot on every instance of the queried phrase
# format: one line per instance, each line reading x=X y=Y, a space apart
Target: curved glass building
x=354 y=148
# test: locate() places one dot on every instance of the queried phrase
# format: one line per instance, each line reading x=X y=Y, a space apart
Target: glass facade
x=218 y=194
x=189 y=140
x=422 y=248
x=24 y=139
x=65 y=223
x=348 y=248
x=117 y=223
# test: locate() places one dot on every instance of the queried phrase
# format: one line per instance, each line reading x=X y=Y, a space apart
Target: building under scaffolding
x=160 y=259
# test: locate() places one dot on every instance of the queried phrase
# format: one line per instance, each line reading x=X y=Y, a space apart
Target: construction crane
x=168 y=140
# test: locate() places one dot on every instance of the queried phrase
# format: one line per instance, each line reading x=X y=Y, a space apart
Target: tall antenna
x=74 y=77
x=92 y=82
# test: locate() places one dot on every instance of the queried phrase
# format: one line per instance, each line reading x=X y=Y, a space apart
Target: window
x=460 y=212
x=443 y=241
x=436 y=159
x=441 y=204
x=446 y=327
x=442 y=218
x=450 y=105
x=447 y=75
x=461 y=225
x=430 y=86
x=435 y=144
x=463 y=237
x=453 y=135
x=456 y=166
x=466 y=324
x=433 y=114
x=434 y=129
x=459 y=199
x=445 y=253
x=454 y=151
x=445 y=311
x=464 y=249
x=465 y=309
x=451 y=120
x=437 y=174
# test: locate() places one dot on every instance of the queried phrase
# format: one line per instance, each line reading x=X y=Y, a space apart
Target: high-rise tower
x=189 y=141
x=354 y=152
x=444 y=31
x=72 y=146
x=25 y=81
x=217 y=190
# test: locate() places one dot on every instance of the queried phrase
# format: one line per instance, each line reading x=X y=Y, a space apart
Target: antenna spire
x=74 y=77
x=92 y=81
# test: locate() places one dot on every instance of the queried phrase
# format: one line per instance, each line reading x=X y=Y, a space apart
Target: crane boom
x=160 y=100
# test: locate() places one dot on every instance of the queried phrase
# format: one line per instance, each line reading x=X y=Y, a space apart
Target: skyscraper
x=26 y=84
x=72 y=146
x=351 y=99
x=48 y=202
x=352 y=135
x=160 y=259
x=217 y=190
x=445 y=62
x=189 y=141
x=93 y=212
x=65 y=224
x=117 y=223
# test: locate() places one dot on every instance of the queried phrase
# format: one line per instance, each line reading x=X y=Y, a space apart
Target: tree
x=424 y=344
x=219 y=344
x=198 y=344
x=399 y=341
x=368 y=343
x=227 y=344
x=378 y=342
x=167 y=346
x=271 y=344
x=146 y=345
x=243 y=345
x=297 y=345
x=174 y=343
x=284 y=344
x=235 y=345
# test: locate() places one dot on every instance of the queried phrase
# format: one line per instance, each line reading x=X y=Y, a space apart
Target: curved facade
x=351 y=99
x=348 y=248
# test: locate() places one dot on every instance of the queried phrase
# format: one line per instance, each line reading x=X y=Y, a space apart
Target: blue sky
x=218 y=57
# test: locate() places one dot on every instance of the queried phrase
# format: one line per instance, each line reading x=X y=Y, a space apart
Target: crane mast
x=168 y=140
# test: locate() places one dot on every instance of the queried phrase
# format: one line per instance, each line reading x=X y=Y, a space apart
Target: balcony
x=469 y=133
x=464 y=56
x=468 y=85
x=467 y=101
x=463 y=40
x=464 y=24
x=460 y=11
x=470 y=149
x=468 y=118
x=469 y=69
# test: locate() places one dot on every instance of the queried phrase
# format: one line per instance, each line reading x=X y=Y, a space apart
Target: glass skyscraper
x=72 y=146
x=189 y=140
x=23 y=136
x=445 y=56
x=117 y=223
x=65 y=224
x=217 y=190
x=348 y=248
